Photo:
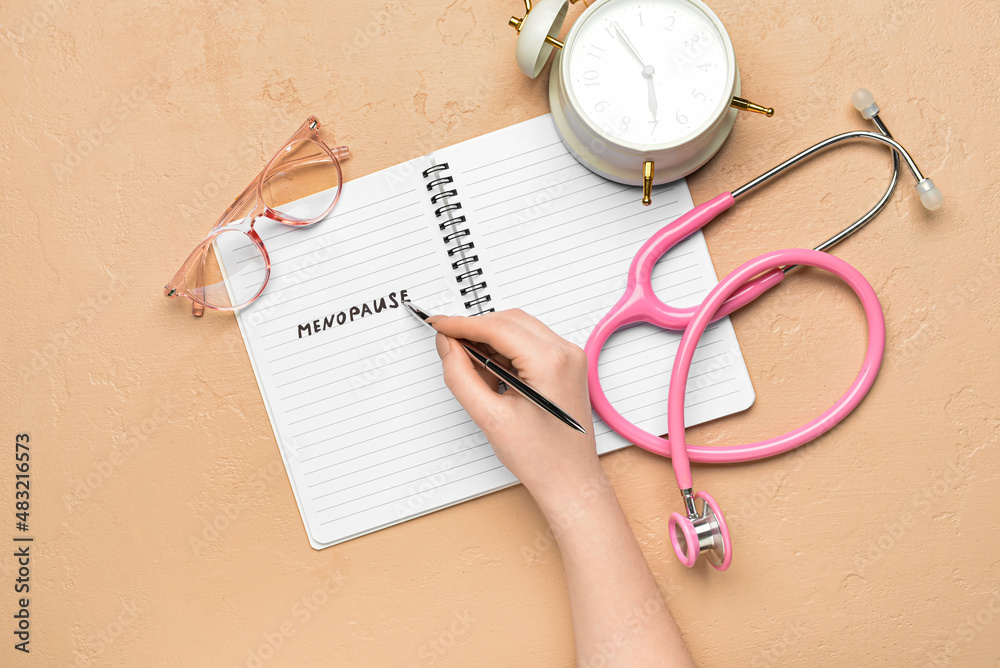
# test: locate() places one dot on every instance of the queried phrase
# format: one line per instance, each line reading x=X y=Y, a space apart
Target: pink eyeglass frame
x=308 y=131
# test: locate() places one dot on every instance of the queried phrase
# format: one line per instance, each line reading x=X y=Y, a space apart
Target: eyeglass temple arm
x=197 y=310
x=340 y=153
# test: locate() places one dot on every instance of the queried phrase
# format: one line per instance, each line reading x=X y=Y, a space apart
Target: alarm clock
x=642 y=92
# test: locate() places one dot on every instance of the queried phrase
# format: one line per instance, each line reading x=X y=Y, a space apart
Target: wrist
x=563 y=498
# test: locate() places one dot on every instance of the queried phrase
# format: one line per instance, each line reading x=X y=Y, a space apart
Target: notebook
x=369 y=433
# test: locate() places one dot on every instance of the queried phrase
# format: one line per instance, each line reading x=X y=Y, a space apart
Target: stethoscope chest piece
x=703 y=531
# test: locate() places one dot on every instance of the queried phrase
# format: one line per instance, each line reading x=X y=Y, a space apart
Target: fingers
x=529 y=322
x=497 y=357
x=509 y=333
x=488 y=378
x=461 y=377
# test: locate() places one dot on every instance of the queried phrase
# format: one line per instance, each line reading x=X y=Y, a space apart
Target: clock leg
x=747 y=105
x=647 y=182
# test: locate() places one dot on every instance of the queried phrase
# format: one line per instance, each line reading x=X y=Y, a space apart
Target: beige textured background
x=166 y=532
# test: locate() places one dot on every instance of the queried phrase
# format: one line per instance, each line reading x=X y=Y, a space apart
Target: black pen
x=501 y=372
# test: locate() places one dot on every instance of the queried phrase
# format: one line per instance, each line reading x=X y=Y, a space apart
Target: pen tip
x=416 y=311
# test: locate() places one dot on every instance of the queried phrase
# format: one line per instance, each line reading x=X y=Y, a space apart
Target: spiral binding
x=456 y=238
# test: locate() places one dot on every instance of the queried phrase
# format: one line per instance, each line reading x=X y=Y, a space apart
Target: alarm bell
x=538 y=32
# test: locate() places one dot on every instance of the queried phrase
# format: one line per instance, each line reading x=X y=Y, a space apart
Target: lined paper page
x=558 y=241
x=369 y=433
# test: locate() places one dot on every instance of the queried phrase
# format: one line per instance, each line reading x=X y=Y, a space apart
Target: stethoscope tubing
x=639 y=304
x=678 y=449
x=625 y=313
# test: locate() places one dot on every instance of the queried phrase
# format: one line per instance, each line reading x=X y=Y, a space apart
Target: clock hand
x=629 y=45
x=647 y=73
x=647 y=70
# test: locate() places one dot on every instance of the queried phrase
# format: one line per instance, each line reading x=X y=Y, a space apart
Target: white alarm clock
x=643 y=91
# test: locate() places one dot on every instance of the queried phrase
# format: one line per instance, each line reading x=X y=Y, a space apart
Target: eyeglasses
x=299 y=186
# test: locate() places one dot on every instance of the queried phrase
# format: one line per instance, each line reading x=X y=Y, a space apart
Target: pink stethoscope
x=705 y=530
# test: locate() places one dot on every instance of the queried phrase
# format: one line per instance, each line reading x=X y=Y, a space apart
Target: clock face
x=648 y=72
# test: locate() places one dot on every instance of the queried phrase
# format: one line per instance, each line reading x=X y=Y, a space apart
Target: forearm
x=619 y=615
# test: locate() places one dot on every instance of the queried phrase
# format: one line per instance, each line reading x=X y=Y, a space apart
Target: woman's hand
x=551 y=459
x=619 y=615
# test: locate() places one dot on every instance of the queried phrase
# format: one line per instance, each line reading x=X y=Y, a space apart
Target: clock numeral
x=681 y=118
x=601 y=106
x=681 y=60
x=669 y=25
x=595 y=51
x=693 y=48
x=591 y=77
x=654 y=124
x=698 y=96
x=624 y=124
x=611 y=29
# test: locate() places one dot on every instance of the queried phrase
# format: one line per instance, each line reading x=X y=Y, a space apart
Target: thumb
x=464 y=381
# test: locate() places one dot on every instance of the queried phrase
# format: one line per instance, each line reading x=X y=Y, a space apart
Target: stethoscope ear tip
x=930 y=195
x=864 y=101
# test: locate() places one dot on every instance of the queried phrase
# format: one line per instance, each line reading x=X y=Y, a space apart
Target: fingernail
x=443 y=346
